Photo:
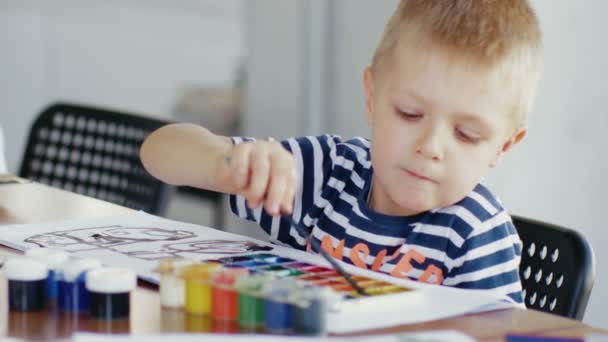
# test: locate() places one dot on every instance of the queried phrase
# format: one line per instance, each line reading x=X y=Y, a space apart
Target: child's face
x=438 y=125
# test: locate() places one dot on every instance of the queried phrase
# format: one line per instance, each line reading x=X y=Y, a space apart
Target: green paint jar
x=251 y=291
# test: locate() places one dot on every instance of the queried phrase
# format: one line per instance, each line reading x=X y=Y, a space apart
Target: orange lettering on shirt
x=380 y=259
x=404 y=265
x=429 y=272
x=355 y=257
x=328 y=246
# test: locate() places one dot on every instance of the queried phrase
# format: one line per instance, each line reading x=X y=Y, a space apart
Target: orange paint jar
x=225 y=304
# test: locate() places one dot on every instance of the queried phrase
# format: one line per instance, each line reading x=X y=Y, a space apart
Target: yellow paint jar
x=198 y=287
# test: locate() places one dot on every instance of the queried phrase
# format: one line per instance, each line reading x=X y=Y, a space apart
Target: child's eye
x=466 y=136
x=409 y=115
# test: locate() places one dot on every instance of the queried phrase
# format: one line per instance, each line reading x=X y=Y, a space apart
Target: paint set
x=266 y=292
x=259 y=292
x=50 y=278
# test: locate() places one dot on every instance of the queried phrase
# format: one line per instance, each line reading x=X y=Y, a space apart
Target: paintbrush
x=316 y=246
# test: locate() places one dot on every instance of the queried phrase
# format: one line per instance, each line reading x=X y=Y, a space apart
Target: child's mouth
x=418 y=176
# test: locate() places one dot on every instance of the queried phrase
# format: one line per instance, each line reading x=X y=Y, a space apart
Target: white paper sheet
x=139 y=240
x=425 y=336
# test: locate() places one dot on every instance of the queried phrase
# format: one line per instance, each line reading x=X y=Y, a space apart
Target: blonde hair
x=499 y=35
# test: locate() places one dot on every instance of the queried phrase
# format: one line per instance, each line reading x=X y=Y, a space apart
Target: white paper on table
x=425 y=336
x=137 y=241
x=596 y=338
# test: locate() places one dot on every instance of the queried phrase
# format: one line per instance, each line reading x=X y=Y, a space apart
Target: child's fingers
x=289 y=195
x=280 y=168
x=260 y=174
x=291 y=186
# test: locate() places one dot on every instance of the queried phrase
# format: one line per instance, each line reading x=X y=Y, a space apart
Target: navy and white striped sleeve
x=313 y=165
x=489 y=259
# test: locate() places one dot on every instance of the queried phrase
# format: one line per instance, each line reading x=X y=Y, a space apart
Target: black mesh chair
x=94 y=152
x=557 y=268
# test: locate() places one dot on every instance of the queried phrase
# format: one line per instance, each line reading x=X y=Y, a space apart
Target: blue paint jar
x=110 y=292
x=53 y=258
x=73 y=295
x=26 y=283
x=278 y=306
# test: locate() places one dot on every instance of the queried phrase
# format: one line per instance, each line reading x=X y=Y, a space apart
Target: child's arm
x=184 y=154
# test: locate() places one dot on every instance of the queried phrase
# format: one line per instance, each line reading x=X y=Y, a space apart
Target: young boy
x=447 y=94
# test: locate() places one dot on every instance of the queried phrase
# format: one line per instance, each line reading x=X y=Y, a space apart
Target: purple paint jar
x=73 y=295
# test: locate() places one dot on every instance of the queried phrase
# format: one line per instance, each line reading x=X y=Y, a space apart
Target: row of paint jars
x=47 y=277
x=255 y=301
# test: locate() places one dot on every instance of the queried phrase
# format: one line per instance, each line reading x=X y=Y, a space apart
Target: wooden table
x=37 y=203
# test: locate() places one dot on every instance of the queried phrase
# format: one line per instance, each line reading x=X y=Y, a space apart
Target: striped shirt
x=471 y=244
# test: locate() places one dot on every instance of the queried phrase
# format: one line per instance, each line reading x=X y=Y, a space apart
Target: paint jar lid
x=255 y=284
x=281 y=289
x=111 y=280
x=200 y=272
x=51 y=256
x=72 y=268
x=227 y=277
x=305 y=295
x=25 y=269
x=173 y=265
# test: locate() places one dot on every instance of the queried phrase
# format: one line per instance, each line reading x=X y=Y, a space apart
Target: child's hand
x=264 y=173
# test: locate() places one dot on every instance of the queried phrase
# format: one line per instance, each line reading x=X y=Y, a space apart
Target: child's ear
x=507 y=145
x=368 y=87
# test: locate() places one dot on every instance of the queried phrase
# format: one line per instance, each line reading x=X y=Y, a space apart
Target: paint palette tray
x=383 y=296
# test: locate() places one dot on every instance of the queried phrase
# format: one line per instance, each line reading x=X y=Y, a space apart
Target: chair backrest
x=557 y=268
x=94 y=152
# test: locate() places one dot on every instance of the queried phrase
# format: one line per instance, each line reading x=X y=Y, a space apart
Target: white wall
x=358 y=25
x=133 y=54
x=22 y=70
x=274 y=33
x=136 y=55
x=558 y=173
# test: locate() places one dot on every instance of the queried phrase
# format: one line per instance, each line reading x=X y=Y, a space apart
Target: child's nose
x=429 y=144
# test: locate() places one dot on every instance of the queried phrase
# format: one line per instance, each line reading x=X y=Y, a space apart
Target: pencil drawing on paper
x=146 y=243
